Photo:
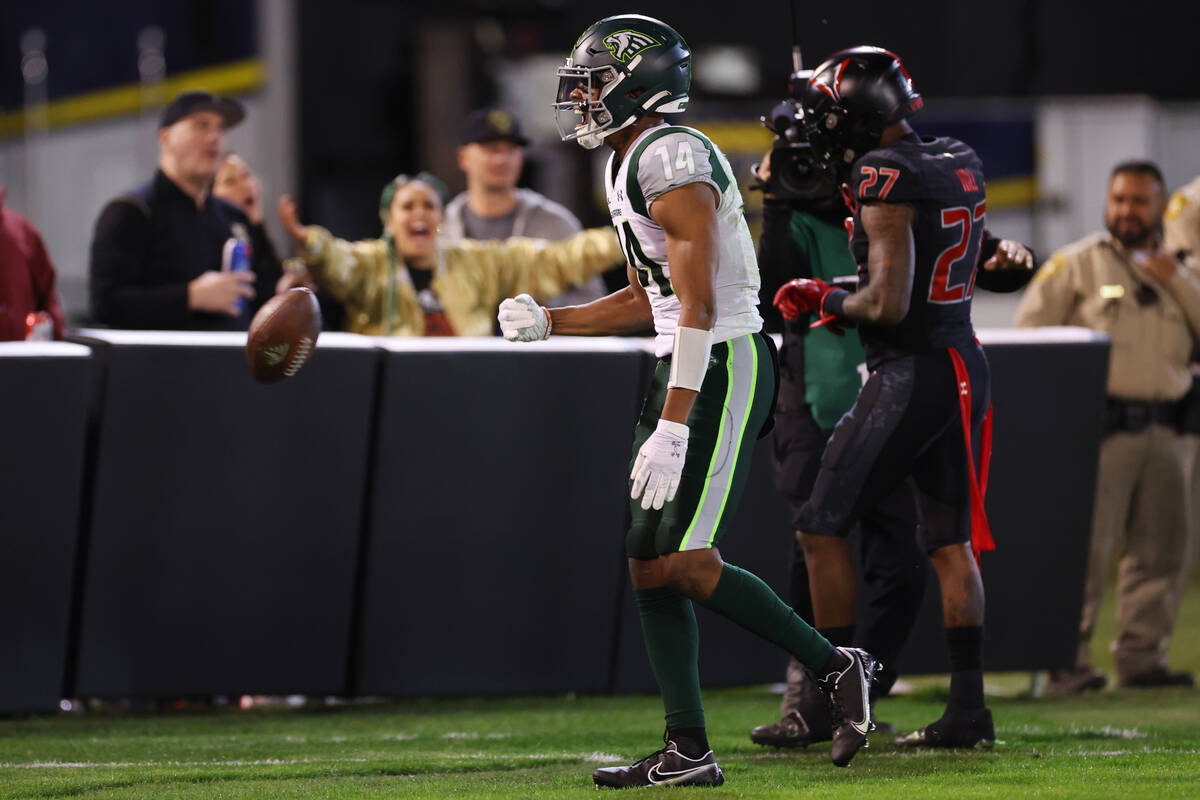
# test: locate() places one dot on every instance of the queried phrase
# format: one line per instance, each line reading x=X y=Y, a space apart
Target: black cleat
x=667 y=767
x=956 y=728
x=1157 y=678
x=1075 y=681
x=849 y=691
x=798 y=728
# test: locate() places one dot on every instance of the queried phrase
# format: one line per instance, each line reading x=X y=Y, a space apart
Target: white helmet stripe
x=654 y=98
x=674 y=107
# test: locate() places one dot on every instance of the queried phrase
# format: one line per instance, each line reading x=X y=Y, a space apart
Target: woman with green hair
x=409 y=283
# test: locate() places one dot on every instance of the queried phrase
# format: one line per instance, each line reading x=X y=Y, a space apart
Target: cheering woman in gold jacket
x=408 y=283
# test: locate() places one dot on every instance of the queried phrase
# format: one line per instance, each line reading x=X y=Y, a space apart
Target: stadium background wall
x=374 y=526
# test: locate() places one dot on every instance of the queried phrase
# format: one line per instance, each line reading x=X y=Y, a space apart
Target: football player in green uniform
x=693 y=276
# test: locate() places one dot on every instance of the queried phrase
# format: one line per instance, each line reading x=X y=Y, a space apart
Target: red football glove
x=807 y=296
x=801 y=296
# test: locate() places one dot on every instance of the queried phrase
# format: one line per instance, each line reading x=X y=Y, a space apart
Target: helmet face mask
x=621 y=69
x=580 y=112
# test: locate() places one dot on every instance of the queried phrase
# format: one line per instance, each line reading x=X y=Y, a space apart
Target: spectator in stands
x=156 y=255
x=1125 y=283
x=236 y=183
x=26 y=278
x=491 y=156
x=410 y=283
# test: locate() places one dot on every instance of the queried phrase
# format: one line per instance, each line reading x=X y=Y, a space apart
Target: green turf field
x=1125 y=744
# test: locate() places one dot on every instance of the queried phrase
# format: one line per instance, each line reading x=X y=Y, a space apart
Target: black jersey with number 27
x=941 y=180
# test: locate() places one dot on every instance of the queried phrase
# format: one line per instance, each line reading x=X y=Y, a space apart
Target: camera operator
x=821 y=372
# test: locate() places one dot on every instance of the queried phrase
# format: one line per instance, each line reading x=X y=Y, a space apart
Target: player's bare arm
x=890 y=260
x=624 y=311
x=688 y=216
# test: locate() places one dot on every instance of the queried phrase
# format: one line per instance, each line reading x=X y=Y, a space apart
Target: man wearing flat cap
x=157 y=254
x=491 y=155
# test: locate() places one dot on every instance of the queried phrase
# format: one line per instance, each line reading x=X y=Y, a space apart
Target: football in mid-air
x=283 y=334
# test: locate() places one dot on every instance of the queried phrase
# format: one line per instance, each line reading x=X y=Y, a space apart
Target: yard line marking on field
x=1076 y=730
x=596 y=757
x=1108 y=730
x=1047 y=752
x=262 y=762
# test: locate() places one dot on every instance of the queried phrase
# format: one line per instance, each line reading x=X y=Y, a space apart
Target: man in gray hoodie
x=491 y=155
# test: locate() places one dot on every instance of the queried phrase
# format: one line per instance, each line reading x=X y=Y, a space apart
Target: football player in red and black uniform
x=918 y=231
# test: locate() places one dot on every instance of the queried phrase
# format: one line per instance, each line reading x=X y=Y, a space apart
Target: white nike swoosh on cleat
x=863 y=726
x=654 y=774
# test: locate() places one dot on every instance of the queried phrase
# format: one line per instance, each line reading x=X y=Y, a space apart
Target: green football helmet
x=621 y=69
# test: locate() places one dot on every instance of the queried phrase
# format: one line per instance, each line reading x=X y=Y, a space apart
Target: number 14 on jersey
x=684 y=162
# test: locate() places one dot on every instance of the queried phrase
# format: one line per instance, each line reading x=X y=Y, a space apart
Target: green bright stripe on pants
x=741 y=431
x=716 y=452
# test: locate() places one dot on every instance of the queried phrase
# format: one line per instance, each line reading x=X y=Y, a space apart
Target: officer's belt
x=1137 y=415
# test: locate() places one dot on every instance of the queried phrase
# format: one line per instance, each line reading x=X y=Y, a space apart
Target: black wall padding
x=494 y=556
x=43 y=415
x=225 y=524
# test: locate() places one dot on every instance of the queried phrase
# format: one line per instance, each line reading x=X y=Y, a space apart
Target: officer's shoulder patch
x=1175 y=207
x=1052 y=265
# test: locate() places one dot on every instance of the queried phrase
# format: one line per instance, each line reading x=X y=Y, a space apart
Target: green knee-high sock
x=673 y=644
x=744 y=598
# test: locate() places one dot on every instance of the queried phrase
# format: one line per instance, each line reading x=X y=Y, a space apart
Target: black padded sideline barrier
x=225 y=518
x=495 y=541
x=433 y=517
x=44 y=399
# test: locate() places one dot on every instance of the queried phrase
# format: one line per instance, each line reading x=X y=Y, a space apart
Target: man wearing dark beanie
x=159 y=254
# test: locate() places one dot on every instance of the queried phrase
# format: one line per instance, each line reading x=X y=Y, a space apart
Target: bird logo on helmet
x=851 y=98
x=624 y=45
x=620 y=70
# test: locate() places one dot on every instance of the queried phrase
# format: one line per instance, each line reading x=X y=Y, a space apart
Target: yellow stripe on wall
x=231 y=78
x=1015 y=192
x=737 y=137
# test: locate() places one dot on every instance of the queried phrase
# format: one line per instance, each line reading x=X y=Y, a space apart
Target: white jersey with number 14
x=663 y=158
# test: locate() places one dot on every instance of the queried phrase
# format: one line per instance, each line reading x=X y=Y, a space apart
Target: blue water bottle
x=235 y=257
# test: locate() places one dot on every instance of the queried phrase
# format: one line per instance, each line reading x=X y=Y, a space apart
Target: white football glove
x=659 y=464
x=523 y=320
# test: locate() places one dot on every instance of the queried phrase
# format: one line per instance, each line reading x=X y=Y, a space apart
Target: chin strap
x=593 y=139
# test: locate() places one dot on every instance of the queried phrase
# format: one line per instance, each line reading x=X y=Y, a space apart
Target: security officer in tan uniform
x=1181 y=228
x=1126 y=284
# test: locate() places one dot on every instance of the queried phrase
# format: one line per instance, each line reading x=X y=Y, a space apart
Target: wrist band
x=689 y=358
x=833 y=302
x=549 y=322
